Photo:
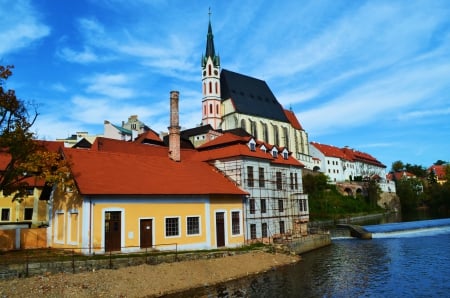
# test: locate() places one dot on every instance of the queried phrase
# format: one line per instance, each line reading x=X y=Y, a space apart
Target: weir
x=356 y=231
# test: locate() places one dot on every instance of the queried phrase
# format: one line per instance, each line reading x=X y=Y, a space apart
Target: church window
x=209 y=69
x=210 y=108
x=217 y=88
x=243 y=124
x=276 y=136
x=210 y=87
x=286 y=136
x=265 y=132
x=217 y=109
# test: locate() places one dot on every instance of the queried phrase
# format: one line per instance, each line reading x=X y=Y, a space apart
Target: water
x=402 y=260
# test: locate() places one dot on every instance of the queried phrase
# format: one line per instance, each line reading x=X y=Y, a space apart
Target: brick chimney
x=174 y=128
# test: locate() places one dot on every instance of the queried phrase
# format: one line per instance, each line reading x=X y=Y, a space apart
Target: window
x=172 y=227
x=252 y=206
x=292 y=181
x=263 y=206
x=285 y=155
x=282 y=229
x=274 y=153
x=243 y=124
x=59 y=227
x=295 y=181
x=210 y=87
x=264 y=230
x=279 y=181
x=193 y=225
x=210 y=108
x=252 y=231
x=235 y=223
x=73 y=227
x=250 y=182
x=5 y=214
x=280 y=206
x=261 y=177
x=252 y=146
x=28 y=214
x=217 y=106
x=209 y=69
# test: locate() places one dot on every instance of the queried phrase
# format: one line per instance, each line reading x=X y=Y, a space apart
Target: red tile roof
x=439 y=171
x=293 y=119
x=347 y=154
x=331 y=151
x=229 y=145
x=112 y=173
x=149 y=135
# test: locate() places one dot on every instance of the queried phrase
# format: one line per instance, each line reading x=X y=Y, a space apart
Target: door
x=220 y=229
x=112 y=230
x=146 y=233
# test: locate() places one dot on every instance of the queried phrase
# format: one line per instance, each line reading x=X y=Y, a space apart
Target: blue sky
x=372 y=75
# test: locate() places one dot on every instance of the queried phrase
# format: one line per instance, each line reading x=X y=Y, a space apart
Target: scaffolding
x=276 y=207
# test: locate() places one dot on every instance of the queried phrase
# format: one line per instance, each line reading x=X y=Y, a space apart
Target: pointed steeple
x=210 y=52
x=210 y=42
x=211 y=101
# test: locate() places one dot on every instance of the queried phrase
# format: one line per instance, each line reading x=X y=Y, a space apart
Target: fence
x=25 y=263
x=23 y=238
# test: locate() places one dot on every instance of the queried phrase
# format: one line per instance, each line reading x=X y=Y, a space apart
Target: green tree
x=397 y=166
x=21 y=155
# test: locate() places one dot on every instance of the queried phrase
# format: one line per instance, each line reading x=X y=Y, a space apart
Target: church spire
x=210 y=52
x=211 y=101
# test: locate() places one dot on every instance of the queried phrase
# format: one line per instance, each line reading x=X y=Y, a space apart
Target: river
x=409 y=259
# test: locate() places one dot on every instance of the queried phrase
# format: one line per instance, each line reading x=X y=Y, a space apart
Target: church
x=231 y=100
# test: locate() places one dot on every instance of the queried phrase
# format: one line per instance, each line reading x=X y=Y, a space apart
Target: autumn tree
x=21 y=156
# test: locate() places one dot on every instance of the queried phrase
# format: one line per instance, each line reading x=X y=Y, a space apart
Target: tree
x=440 y=162
x=397 y=166
x=20 y=154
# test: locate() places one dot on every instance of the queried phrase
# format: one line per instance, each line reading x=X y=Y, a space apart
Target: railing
x=28 y=262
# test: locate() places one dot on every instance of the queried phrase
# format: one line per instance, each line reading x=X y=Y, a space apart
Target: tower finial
x=209 y=13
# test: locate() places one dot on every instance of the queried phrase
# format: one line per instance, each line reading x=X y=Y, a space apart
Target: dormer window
x=274 y=153
x=263 y=148
x=285 y=155
x=252 y=145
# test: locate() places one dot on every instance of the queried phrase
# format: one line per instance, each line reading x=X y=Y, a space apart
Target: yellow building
x=131 y=196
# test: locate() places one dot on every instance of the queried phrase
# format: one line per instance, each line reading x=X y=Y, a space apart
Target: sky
x=371 y=75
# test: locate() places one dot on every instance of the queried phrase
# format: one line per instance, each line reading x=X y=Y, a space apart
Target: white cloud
x=21 y=26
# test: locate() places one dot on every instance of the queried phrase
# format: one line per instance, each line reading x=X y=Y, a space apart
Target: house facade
x=275 y=205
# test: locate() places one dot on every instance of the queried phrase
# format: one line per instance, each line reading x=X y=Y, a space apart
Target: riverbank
x=146 y=280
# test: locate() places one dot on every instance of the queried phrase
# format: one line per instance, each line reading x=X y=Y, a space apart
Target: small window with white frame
x=193 y=225
x=252 y=145
x=172 y=227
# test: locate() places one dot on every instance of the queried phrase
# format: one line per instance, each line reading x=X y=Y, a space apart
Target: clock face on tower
x=215 y=72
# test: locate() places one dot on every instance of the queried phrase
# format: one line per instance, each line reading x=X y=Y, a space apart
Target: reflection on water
x=415 y=266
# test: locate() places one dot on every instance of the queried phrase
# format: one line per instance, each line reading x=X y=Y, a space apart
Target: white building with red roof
x=276 y=205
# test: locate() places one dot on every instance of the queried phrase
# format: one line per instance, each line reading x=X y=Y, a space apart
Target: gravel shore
x=145 y=280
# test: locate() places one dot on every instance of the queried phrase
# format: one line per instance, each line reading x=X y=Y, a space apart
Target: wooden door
x=220 y=229
x=113 y=231
x=146 y=233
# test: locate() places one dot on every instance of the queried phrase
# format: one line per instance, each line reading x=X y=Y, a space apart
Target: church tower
x=211 y=109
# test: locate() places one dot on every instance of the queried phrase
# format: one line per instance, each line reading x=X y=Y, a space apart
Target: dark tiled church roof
x=250 y=96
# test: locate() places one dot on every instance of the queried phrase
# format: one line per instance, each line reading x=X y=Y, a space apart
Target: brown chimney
x=174 y=128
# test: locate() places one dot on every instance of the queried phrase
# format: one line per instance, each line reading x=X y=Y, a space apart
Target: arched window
x=210 y=108
x=209 y=69
x=265 y=132
x=243 y=124
x=217 y=88
x=217 y=109
x=286 y=137
x=210 y=87
x=276 y=136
